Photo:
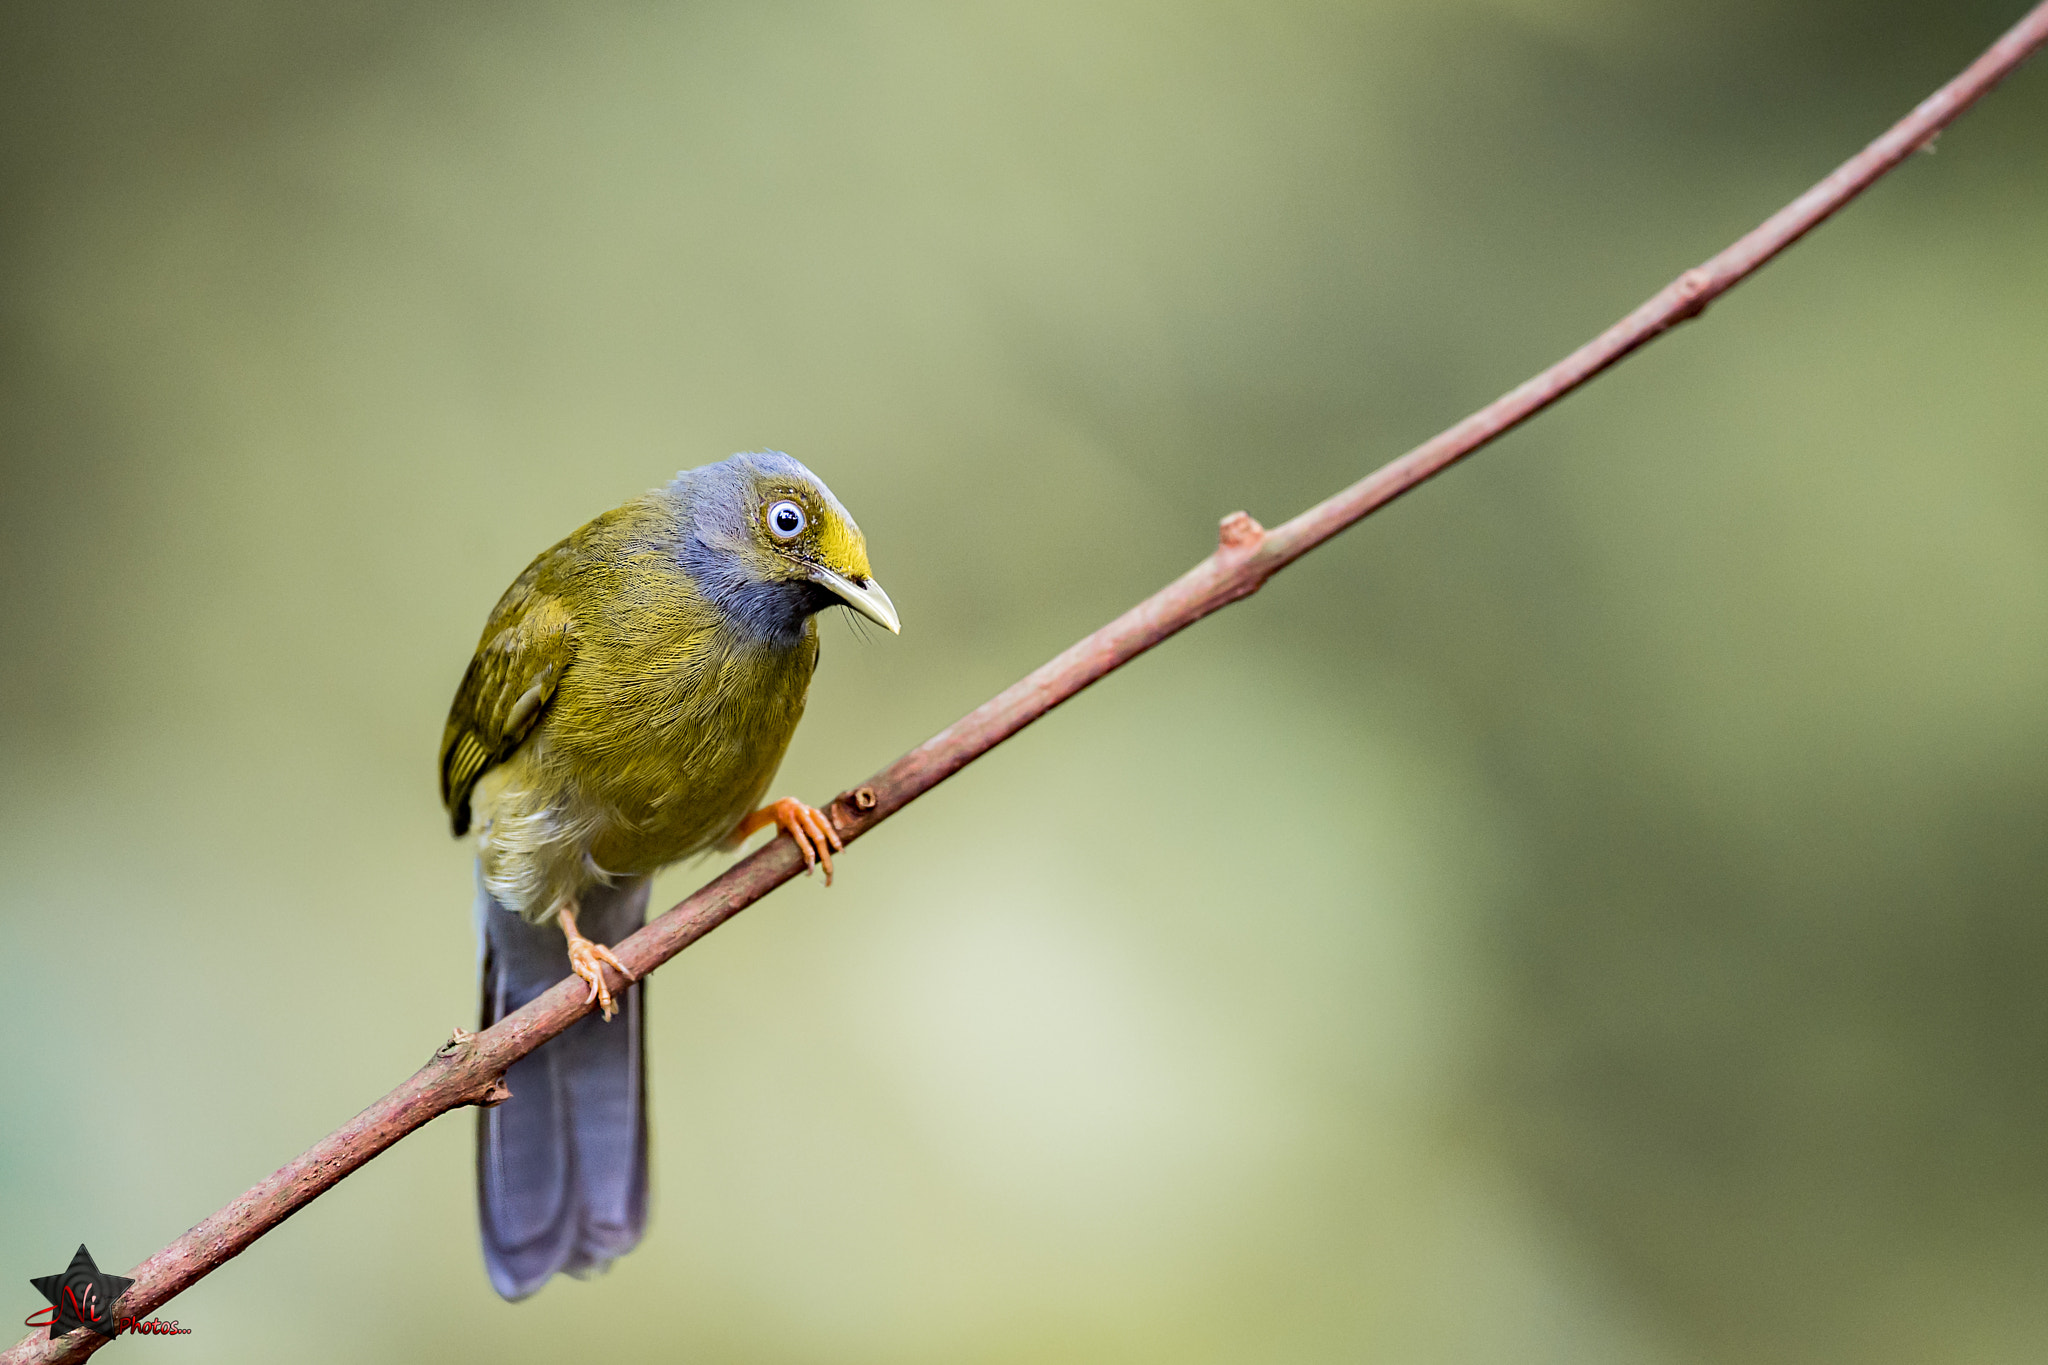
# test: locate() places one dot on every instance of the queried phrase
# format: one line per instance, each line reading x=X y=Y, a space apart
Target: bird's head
x=765 y=540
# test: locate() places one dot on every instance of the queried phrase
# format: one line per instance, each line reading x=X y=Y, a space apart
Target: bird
x=628 y=705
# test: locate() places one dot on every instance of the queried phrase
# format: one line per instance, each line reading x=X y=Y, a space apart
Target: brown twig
x=470 y=1068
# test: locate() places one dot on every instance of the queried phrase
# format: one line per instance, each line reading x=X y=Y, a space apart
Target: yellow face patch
x=797 y=523
x=842 y=548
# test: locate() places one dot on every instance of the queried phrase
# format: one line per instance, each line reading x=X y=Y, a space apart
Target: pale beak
x=868 y=599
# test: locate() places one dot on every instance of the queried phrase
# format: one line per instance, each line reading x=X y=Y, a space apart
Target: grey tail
x=561 y=1167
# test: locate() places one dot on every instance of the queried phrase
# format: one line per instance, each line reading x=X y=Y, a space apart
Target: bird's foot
x=807 y=826
x=588 y=959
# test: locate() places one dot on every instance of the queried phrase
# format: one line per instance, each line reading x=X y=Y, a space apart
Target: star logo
x=82 y=1297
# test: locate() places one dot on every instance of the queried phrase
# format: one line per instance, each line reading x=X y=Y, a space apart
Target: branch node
x=847 y=808
x=455 y=1042
x=496 y=1095
x=1692 y=289
x=1239 y=534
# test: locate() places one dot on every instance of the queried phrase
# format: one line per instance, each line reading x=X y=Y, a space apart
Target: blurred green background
x=1592 y=912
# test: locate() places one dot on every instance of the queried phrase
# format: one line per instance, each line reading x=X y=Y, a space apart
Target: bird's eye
x=786 y=520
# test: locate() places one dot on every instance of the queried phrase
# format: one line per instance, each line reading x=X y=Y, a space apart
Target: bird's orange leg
x=585 y=957
x=806 y=825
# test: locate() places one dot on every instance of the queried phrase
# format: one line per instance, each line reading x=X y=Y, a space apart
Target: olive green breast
x=675 y=740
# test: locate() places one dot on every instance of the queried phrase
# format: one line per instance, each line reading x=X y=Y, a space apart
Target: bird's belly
x=533 y=836
x=543 y=836
x=649 y=825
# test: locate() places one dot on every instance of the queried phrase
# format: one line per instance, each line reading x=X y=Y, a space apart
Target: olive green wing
x=528 y=644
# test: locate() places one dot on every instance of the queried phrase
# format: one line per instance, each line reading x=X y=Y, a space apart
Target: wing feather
x=528 y=644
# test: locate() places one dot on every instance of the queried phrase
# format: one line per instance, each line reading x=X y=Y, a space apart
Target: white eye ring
x=786 y=520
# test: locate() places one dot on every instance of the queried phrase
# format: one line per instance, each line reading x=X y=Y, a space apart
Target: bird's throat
x=760 y=611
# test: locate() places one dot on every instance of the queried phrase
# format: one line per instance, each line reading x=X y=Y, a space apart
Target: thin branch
x=470 y=1068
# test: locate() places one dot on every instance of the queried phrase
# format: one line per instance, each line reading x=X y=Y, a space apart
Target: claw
x=809 y=828
x=588 y=959
x=812 y=833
